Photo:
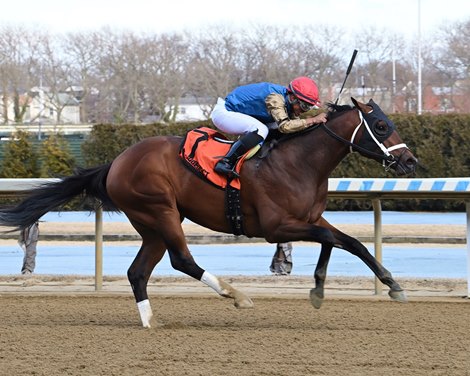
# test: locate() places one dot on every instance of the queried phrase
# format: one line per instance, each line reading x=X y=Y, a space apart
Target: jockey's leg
x=226 y=165
x=236 y=123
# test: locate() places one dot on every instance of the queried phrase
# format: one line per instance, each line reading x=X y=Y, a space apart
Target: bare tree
x=19 y=66
x=378 y=48
x=166 y=64
x=452 y=60
x=57 y=78
x=265 y=55
x=325 y=56
x=82 y=53
x=121 y=76
x=455 y=54
x=214 y=67
x=117 y=78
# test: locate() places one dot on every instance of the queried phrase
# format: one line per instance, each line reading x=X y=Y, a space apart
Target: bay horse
x=283 y=197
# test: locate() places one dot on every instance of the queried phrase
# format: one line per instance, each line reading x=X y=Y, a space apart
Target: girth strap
x=233 y=210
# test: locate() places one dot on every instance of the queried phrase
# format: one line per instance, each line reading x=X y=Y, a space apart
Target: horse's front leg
x=320 y=233
x=329 y=237
x=317 y=294
x=355 y=247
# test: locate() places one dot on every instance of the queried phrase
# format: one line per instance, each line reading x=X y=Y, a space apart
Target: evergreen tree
x=56 y=158
x=20 y=159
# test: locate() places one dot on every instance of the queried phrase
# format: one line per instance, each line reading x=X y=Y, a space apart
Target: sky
x=186 y=15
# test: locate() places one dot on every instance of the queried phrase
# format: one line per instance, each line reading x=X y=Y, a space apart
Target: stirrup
x=224 y=167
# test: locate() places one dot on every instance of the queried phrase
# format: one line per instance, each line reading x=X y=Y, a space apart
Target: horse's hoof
x=398 y=296
x=316 y=298
x=244 y=303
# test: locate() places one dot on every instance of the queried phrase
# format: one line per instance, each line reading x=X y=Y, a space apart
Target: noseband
x=368 y=138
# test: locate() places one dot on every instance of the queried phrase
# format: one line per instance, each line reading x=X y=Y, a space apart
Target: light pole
x=394 y=80
x=420 y=99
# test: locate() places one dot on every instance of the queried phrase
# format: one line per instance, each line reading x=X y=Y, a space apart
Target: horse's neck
x=321 y=152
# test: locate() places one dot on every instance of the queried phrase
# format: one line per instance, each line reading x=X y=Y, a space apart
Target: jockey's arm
x=276 y=106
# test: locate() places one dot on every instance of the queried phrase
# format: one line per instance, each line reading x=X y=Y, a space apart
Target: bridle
x=388 y=159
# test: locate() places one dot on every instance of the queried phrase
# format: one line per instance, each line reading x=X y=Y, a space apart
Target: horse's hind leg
x=169 y=226
x=151 y=252
x=182 y=260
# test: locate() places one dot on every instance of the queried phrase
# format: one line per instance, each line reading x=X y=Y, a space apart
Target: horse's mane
x=335 y=110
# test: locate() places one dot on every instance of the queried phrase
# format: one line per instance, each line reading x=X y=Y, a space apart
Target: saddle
x=200 y=150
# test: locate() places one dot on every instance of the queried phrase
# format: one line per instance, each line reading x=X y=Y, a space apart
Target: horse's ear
x=356 y=104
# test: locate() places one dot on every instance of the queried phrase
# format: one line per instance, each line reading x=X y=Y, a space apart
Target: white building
x=42 y=107
x=191 y=108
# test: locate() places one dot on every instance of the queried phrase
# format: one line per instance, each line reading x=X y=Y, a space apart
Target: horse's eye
x=381 y=128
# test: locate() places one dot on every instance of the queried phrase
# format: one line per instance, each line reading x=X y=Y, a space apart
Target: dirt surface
x=59 y=326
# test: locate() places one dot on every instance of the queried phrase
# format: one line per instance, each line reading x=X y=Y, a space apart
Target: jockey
x=252 y=110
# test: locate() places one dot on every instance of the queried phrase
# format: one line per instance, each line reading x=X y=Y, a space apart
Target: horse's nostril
x=411 y=162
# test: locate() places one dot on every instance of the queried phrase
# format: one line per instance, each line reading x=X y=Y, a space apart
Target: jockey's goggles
x=304 y=106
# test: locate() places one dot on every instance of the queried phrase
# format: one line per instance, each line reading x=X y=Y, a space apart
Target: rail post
x=467 y=204
x=98 y=248
x=377 y=239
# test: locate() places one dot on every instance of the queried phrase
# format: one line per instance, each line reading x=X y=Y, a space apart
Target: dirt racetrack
x=59 y=326
x=86 y=333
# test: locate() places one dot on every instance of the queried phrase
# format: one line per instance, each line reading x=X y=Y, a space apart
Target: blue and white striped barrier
x=399 y=185
x=460 y=185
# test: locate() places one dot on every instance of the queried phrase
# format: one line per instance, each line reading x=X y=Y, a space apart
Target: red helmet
x=305 y=89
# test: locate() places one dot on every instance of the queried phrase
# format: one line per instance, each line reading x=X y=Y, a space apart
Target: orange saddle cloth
x=201 y=149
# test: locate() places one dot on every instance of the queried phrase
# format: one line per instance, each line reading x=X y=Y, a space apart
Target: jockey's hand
x=318 y=119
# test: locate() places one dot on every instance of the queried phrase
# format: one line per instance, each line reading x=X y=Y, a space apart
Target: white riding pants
x=232 y=122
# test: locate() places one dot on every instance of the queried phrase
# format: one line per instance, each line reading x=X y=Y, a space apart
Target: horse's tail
x=90 y=182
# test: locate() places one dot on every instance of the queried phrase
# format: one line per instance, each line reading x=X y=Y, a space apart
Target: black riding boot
x=226 y=165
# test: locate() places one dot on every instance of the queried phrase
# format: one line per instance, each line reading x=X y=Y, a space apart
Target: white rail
x=354 y=188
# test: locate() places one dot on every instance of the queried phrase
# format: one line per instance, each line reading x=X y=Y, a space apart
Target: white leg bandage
x=145 y=312
x=213 y=282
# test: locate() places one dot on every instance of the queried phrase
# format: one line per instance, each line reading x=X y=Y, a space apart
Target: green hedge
x=441 y=143
x=106 y=142
x=23 y=156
